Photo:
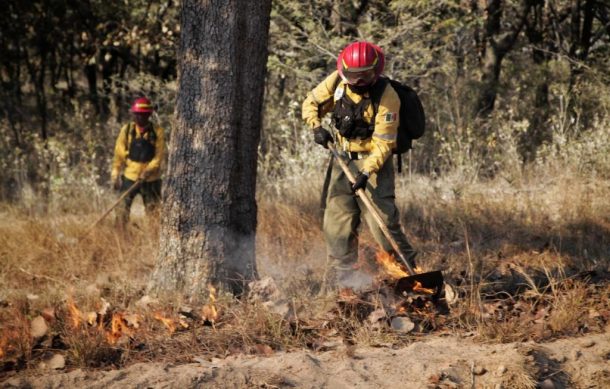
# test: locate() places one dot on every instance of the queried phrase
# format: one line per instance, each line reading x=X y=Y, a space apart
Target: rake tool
x=431 y=280
x=133 y=187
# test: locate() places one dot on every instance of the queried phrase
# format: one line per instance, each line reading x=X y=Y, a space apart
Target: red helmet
x=142 y=105
x=360 y=63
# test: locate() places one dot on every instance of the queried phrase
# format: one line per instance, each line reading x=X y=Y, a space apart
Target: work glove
x=321 y=136
x=145 y=174
x=117 y=182
x=361 y=180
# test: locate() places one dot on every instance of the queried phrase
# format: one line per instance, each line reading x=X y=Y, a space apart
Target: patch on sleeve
x=390 y=117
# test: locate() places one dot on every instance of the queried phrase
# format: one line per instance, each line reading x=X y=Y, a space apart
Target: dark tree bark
x=539 y=36
x=497 y=42
x=209 y=212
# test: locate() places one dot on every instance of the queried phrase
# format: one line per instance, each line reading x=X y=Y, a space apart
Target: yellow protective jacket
x=133 y=169
x=379 y=146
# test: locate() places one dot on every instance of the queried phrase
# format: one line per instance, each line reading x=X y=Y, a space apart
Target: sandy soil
x=430 y=362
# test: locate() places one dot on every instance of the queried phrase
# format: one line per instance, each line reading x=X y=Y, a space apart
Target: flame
x=118 y=328
x=75 y=314
x=209 y=311
x=418 y=287
x=389 y=265
x=167 y=322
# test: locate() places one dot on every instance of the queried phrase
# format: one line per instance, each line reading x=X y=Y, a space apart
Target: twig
x=42 y=276
x=472 y=374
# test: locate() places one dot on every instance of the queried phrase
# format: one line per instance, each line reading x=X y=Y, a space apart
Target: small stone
x=502 y=369
x=498 y=386
x=547 y=384
x=588 y=343
x=38 y=327
x=185 y=309
x=402 y=324
x=479 y=370
x=32 y=297
x=377 y=315
x=55 y=362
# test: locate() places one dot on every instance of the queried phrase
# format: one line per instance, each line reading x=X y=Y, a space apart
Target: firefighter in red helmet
x=138 y=154
x=366 y=139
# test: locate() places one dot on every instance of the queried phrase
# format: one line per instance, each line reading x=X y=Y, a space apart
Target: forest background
x=508 y=186
x=508 y=86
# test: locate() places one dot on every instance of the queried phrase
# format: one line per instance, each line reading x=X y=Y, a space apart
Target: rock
x=547 y=384
x=479 y=370
x=38 y=327
x=377 y=315
x=402 y=324
x=264 y=290
x=32 y=297
x=451 y=296
x=588 y=343
x=502 y=369
x=55 y=362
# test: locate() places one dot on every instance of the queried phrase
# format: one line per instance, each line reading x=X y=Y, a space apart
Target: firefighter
x=365 y=140
x=139 y=150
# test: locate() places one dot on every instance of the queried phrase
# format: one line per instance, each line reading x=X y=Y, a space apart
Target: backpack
x=412 y=117
x=140 y=149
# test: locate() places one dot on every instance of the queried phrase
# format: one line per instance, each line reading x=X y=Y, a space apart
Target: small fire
x=389 y=265
x=118 y=328
x=419 y=288
x=167 y=322
x=209 y=311
x=75 y=314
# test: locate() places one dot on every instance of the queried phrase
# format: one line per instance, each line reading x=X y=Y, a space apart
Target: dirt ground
x=429 y=362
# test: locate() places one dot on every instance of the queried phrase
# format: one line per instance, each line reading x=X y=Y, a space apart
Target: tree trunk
x=209 y=212
x=497 y=44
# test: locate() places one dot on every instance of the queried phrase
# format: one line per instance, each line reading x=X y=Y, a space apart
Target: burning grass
x=525 y=265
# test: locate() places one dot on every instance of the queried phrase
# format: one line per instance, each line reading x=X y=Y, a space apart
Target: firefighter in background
x=365 y=140
x=139 y=150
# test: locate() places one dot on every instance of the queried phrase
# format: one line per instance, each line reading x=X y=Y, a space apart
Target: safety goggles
x=360 y=77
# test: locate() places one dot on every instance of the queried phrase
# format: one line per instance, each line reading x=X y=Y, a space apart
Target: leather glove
x=117 y=182
x=321 y=136
x=361 y=180
x=145 y=174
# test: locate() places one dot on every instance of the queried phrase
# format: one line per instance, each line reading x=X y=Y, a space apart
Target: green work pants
x=344 y=211
x=151 y=195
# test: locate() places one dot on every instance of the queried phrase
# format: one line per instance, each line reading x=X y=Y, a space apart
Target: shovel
x=431 y=280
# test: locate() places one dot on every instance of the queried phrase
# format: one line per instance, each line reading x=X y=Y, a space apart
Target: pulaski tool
x=432 y=281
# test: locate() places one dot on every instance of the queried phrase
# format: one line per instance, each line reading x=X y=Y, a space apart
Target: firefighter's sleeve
x=155 y=163
x=386 y=131
x=120 y=153
x=320 y=100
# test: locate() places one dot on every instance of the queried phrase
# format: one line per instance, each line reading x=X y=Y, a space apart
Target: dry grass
x=517 y=245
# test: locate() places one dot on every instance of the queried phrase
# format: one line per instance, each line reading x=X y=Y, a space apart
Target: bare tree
x=209 y=213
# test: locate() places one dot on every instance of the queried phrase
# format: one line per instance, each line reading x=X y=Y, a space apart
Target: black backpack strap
x=376 y=94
